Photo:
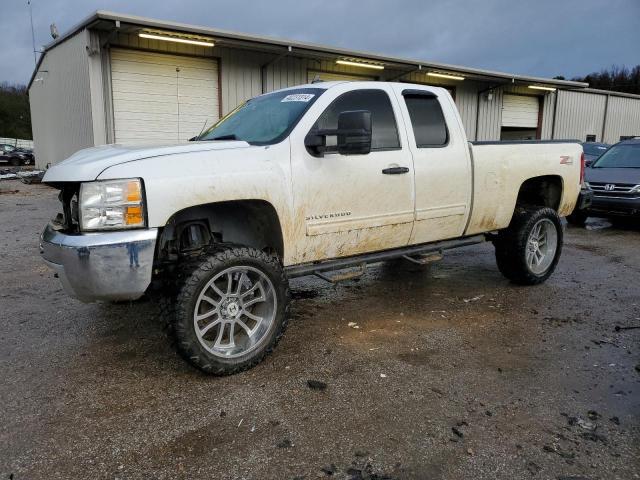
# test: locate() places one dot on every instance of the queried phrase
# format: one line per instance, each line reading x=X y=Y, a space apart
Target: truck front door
x=351 y=204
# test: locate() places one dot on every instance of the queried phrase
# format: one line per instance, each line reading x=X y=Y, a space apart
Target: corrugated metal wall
x=583 y=113
x=60 y=102
x=623 y=118
x=580 y=114
x=63 y=101
x=241 y=79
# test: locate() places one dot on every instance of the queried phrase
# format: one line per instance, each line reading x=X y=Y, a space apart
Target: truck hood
x=630 y=176
x=86 y=165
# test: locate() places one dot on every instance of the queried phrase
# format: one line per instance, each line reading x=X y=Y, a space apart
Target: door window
x=384 y=131
x=427 y=119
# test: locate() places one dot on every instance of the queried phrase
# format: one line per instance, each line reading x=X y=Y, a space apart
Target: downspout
x=555 y=113
x=604 y=121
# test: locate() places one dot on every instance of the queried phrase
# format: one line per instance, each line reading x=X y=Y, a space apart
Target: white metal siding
x=519 y=111
x=579 y=114
x=61 y=117
x=162 y=97
x=623 y=118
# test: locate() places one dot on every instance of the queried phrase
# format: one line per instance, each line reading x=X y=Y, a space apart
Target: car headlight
x=111 y=205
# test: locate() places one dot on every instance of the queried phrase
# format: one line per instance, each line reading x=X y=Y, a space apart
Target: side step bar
x=425 y=259
x=301 y=270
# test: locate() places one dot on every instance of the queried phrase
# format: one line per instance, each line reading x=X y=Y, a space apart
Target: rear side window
x=427 y=120
x=384 y=132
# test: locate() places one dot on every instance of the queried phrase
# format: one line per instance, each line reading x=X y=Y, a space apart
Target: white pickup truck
x=307 y=180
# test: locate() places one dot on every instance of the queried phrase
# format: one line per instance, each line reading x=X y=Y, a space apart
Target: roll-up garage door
x=332 y=77
x=520 y=111
x=164 y=98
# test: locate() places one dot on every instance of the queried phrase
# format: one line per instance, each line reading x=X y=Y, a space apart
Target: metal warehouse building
x=124 y=79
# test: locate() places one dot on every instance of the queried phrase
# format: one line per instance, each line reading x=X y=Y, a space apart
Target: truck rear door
x=441 y=162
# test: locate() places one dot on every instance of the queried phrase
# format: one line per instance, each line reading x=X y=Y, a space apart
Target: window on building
x=626 y=137
x=591 y=138
x=427 y=119
x=384 y=131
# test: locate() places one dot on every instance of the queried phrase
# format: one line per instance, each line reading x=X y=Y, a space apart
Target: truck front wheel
x=528 y=251
x=231 y=310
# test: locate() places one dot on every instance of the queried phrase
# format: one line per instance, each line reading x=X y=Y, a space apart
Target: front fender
x=174 y=183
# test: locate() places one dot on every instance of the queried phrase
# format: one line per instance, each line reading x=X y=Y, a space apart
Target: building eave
x=398 y=62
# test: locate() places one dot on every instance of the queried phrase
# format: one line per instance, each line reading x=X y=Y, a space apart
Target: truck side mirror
x=354 y=132
x=353 y=135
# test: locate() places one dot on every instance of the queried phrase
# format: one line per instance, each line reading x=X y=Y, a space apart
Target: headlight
x=111 y=205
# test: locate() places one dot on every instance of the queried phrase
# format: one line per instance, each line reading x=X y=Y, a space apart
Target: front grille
x=615 y=190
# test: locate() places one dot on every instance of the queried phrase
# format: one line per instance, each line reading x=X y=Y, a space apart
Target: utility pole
x=33 y=35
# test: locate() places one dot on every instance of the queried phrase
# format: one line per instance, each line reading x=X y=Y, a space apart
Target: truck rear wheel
x=231 y=310
x=528 y=251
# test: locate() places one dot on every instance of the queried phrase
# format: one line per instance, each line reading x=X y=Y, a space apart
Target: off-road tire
x=195 y=278
x=511 y=245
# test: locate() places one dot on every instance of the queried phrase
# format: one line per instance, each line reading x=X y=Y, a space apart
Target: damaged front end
x=106 y=265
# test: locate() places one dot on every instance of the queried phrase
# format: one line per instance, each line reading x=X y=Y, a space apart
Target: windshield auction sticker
x=298 y=97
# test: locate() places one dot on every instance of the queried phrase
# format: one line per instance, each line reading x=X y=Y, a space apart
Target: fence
x=17 y=142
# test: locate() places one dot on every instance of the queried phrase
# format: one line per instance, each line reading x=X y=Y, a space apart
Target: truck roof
x=333 y=83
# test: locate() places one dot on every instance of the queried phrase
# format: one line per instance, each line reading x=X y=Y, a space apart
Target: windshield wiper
x=225 y=137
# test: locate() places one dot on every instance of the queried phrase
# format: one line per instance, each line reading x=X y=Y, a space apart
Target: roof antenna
x=317 y=79
x=33 y=35
x=54 y=31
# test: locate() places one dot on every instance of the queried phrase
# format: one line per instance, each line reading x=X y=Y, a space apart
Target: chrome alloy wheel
x=234 y=311
x=541 y=246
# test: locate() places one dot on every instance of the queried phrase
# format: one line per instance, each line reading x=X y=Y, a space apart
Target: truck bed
x=501 y=167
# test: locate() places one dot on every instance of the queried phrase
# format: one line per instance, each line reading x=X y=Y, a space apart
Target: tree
x=616 y=78
x=15 y=116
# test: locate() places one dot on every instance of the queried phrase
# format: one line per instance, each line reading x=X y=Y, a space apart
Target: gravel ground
x=452 y=373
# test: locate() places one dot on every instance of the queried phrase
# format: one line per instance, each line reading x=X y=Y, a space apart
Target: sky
x=534 y=37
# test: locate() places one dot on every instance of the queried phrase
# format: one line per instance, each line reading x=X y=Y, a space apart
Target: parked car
x=614 y=180
x=15 y=155
x=302 y=181
x=592 y=150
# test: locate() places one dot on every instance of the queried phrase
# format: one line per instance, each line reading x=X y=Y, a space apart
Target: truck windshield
x=266 y=119
x=620 y=156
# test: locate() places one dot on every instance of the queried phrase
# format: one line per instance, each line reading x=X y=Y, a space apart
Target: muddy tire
x=577 y=218
x=231 y=310
x=528 y=251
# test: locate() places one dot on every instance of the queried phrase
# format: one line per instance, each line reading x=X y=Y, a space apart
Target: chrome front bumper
x=101 y=266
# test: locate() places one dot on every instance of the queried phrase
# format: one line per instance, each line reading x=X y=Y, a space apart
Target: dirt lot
x=452 y=373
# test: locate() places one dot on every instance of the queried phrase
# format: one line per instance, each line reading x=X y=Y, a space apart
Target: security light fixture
x=444 y=75
x=166 y=38
x=537 y=87
x=360 y=64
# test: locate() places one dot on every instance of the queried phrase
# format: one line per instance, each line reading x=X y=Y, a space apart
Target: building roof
x=99 y=18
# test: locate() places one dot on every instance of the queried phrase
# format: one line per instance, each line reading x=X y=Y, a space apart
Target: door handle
x=395 y=170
